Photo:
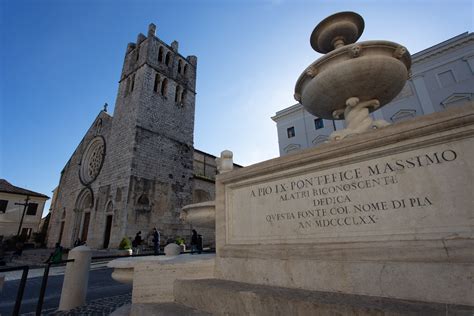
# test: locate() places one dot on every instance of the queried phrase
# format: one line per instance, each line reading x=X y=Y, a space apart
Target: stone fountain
x=380 y=223
x=352 y=79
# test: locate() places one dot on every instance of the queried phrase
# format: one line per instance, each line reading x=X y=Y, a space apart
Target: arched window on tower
x=185 y=72
x=164 y=87
x=177 y=95
x=183 y=96
x=157 y=83
x=167 y=58
x=127 y=86
x=160 y=54
x=180 y=66
x=133 y=83
x=138 y=52
x=110 y=207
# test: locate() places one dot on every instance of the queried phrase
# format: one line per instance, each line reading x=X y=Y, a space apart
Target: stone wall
x=70 y=185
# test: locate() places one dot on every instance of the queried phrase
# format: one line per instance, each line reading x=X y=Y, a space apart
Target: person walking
x=57 y=254
x=137 y=242
x=199 y=244
x=194 y=242
x=156 y=241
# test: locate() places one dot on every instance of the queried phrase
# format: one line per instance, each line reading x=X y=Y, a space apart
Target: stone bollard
x=76 y=279
x=172 y=250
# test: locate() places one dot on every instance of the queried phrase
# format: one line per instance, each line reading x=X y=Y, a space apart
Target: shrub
x=180 y=240
x=125 y=244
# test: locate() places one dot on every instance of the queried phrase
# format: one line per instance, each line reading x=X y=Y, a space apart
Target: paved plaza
x=102 y=306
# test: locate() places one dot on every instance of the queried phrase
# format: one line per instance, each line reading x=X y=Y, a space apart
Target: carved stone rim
x=366 y=46
x=332 y=28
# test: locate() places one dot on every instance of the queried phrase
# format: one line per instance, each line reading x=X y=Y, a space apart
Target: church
x=135 y=170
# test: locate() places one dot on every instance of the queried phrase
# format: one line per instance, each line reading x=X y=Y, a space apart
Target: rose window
x=92 y=160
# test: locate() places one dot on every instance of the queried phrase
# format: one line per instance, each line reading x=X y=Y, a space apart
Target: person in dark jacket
x=156 y=241
x=194 y=242
x=199 y=243
x=137 y=242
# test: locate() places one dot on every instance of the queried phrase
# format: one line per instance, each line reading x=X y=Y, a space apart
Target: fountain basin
x=200 y=214
x=367 y=70
x=153 y=276
x=124 y=267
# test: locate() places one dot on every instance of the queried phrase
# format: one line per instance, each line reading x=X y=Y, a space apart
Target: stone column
x=423 y=95
x=76 y=279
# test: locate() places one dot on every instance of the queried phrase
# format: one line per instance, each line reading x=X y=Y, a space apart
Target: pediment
x=456 y=99
x=292 y=147
x=320 y=139
x=403 y=114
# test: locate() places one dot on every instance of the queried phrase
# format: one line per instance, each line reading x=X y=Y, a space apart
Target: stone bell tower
x=151 y=142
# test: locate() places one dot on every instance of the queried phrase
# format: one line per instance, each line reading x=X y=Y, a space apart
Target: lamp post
x=25 y=205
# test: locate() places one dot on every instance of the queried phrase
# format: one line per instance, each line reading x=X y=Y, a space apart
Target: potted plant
x=181 y=243
x=125 y=246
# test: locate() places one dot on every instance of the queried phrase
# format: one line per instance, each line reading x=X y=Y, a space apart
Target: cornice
x=448 y=45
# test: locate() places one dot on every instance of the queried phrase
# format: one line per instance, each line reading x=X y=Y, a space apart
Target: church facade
x=136 y=170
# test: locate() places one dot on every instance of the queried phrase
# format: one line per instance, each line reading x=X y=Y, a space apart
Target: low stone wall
x=219 y=297
x=153 y=280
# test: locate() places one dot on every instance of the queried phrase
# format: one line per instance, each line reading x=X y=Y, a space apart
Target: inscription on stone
x=402 y=194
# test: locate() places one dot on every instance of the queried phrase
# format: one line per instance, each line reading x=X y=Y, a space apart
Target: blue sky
x=60 y=61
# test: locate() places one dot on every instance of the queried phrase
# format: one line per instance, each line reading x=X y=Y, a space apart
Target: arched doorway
x=82 y=210
x=109 y=210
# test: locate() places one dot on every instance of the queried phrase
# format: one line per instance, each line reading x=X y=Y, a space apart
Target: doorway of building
x=108 y=229
x=85 y=226
x=61 y=231
x=82 y=210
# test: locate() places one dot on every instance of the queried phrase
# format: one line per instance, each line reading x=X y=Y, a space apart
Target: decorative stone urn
x=200 y=214
x=352 y=79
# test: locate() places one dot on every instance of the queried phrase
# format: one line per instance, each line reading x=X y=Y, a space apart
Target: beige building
x=12 y=209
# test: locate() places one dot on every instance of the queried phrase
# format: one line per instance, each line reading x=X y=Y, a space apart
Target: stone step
x=159 y=309
x=220 y=297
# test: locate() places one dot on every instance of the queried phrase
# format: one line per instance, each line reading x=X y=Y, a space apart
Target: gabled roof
x=7 y=187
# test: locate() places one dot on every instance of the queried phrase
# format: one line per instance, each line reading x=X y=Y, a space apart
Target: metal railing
x=21 y=288
x=131 y=256
x=44 y=282
x=208 y=250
